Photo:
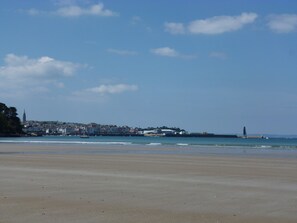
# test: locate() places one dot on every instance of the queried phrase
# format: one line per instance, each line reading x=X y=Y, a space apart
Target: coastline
x=134 y=187
x=283 y=148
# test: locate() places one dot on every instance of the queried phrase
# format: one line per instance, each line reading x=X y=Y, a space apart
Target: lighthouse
x=244 y=132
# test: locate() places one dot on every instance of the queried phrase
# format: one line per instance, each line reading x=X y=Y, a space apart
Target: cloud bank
x=75 y=11
x=22 y=74
x=284 y=23
x=212 y=26
x=72 y=11
x=23 y=67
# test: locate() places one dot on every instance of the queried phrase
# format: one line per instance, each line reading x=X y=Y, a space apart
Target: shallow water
x=282 y=143
x=275 y=147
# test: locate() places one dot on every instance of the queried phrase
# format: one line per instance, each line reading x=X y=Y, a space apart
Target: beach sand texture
x=140 y=188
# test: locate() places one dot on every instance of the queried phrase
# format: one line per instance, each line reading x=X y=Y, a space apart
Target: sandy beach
x=37 y=187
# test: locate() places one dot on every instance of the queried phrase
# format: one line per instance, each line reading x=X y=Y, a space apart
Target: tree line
x=10 y=124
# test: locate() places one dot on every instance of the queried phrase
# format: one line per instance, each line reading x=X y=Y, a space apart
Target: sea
x=276 y=146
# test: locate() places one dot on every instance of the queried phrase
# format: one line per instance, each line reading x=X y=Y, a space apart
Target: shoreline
x=130 y=187
x=122 y=148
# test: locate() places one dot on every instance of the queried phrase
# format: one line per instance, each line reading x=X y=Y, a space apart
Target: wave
x=182 y=144
x=192 y=144
x=263 y=147
x=67 y=142
x=154 y=144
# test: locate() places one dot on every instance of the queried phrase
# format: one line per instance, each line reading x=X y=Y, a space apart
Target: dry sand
x=144 y=188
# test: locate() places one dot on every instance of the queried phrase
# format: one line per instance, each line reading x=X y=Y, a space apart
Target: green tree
x=10 y=123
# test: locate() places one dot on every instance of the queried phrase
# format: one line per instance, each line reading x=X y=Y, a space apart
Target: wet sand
x=36 y=187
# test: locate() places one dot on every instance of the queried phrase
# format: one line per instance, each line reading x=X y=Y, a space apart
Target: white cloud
x=113 y=89
x=122 y=52
x=23 y=74
x=75 y=11
x=213 y=25
x=170 y=52
x=23 y=67
x=284 y=23
x=165 y=51
x=174 y=28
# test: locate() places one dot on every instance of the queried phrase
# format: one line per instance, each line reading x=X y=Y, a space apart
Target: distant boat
x=84 y=136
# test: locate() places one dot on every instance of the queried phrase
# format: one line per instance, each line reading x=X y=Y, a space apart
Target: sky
x=201 y=65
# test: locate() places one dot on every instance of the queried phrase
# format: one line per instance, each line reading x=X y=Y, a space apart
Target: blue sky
x=212 y=66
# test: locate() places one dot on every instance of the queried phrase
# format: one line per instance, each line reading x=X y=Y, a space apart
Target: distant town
x=13 y=126
x=37 y=128
x=55 y=128
x=58 y=128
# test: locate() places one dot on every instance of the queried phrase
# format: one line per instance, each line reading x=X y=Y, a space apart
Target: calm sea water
x=282 y=143
x=164 y=145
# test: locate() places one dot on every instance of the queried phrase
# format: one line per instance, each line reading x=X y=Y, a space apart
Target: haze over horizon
x=200 y=65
